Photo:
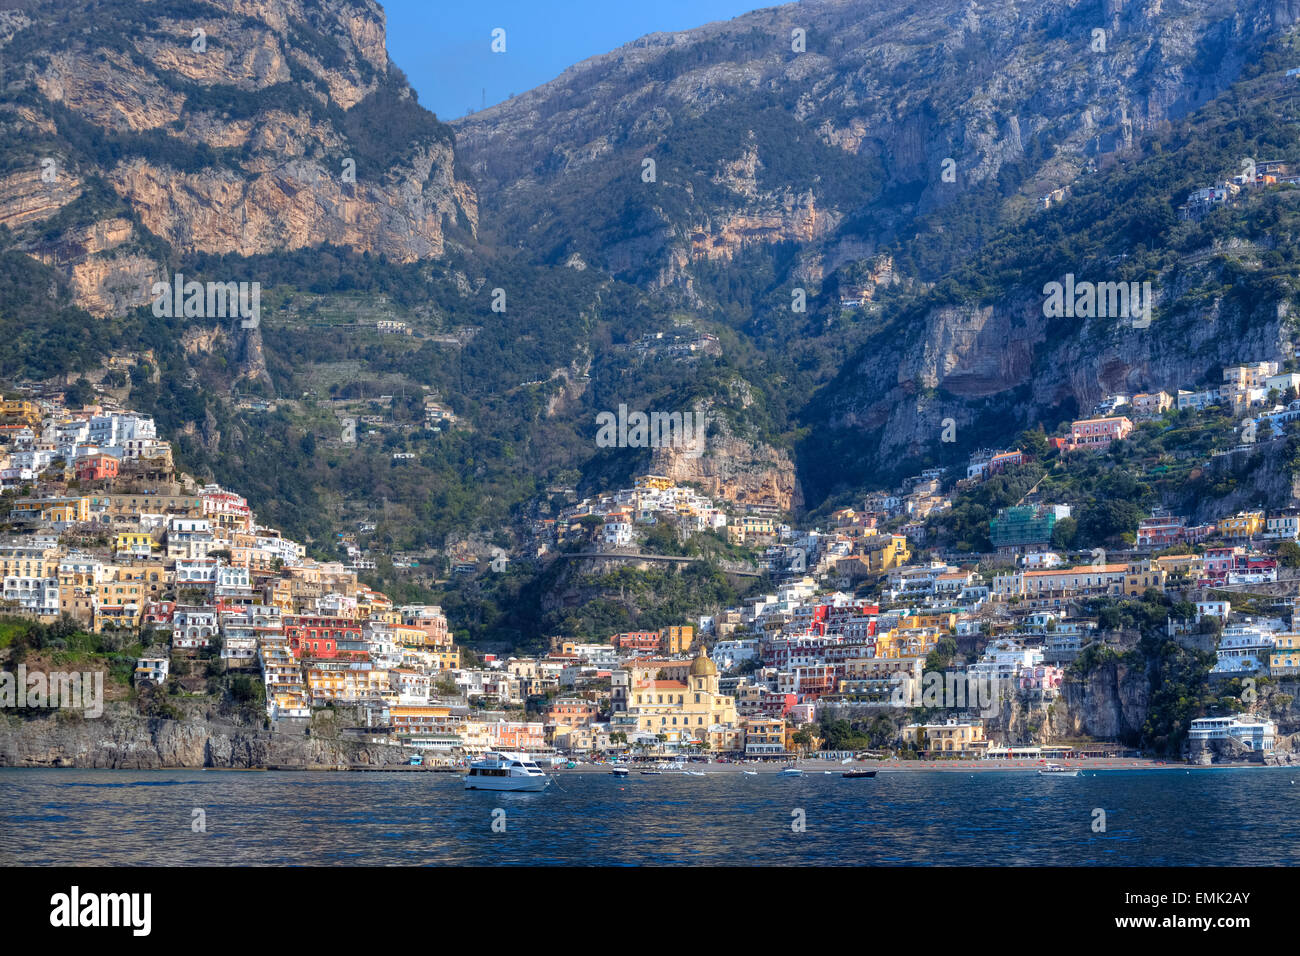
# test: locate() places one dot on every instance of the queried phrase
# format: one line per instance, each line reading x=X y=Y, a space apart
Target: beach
x=970 y=765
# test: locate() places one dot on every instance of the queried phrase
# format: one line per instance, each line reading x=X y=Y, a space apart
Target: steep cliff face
x=242 y=127
x=1006 y=355
x=806 y=124
x=733 y=469
x=1110 y=702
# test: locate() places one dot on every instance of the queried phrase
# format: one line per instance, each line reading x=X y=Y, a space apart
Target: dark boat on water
x=858 y=773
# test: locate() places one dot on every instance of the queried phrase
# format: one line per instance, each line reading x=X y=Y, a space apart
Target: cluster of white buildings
x=653 y=499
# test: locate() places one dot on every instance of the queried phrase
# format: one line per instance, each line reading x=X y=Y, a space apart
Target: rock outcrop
x=124 y=740
x=243 y=128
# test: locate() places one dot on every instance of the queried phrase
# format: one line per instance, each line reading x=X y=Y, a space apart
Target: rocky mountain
x=854 y=204
x=136 y=134
x=911 y=176
x=831 y=129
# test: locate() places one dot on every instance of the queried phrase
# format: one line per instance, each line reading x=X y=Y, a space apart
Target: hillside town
x=107 y=533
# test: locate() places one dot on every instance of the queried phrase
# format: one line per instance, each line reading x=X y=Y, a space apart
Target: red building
x=96 y=467
x=637 y=640
x=159 y=613
x=319 y=636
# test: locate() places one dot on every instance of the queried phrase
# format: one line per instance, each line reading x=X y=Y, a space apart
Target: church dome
x=702 y=666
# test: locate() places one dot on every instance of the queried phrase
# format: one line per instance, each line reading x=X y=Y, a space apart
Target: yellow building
x=948 y=737
x=278 y=593
x=448 y=657
x=52 y=510
x=676 y=640
x=1142 y=575
x=125 y=591
x=20 y=413
x=152 y=575
x=421 y=720
x=751 y=528
x=475 y=737
x=25 y=562
x=881 y=552
x=1244 y=524
x=343 y=680
x=765 y=736
x=123 y=616
x=1285 y=657
x=1180 y=565
x=657 y=482
x=682 y=709
x=907 y=642
x=134 y=543
x=942 y=620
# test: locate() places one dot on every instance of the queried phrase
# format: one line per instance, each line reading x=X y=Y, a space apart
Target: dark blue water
x=1165 y=817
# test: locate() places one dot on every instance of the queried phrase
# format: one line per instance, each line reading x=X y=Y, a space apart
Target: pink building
x=1162 y=530
x=1044 y=677
x=1098 y=432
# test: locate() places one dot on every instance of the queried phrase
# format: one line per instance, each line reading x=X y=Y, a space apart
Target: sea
x=1167 y=817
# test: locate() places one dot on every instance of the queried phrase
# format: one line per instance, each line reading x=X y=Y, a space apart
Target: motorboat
x=1056 y=770
x=792 y=772
x=858 y=773
x=506 y=771
x=619 y=772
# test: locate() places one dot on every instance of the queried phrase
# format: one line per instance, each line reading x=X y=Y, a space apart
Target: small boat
x=650 y=773
x=750 y=773
x=505 y=771
x=619 y=772
x=791 y=772
x=1056 y=770
x=858 y=773
x=692 y=773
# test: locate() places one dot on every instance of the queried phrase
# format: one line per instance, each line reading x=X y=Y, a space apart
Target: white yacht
x=505 y=771
x=1056 y=770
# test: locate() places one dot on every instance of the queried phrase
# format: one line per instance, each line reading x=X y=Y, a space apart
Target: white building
x=1219 y=609
x=1282 y=526
x=1254 y=733
x=727 y=654
x=34 y=595
x=152 y=670
x=194 y=627
x=1244 y=649
x=1004 y=660
x=617 y=533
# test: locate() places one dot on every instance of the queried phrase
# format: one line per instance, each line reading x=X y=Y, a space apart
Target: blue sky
x=444 y=47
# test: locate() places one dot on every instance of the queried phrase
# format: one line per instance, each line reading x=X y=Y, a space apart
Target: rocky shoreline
x=125 y=740
x=133 y=742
